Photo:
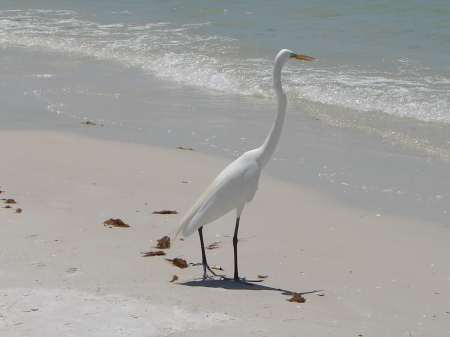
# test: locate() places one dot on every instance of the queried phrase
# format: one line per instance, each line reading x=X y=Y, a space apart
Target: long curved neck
x=271 y=141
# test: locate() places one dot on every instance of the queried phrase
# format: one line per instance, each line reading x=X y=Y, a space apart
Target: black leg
x=205 y=264
x=235 y=242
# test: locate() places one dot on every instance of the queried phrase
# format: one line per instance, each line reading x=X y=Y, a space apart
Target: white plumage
x=237 y=184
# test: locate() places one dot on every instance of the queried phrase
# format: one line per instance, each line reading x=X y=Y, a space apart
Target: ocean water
x=382 y=68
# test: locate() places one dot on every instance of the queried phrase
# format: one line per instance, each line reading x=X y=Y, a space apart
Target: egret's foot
x=241 y=280
x=208 y=277
x=205 y=274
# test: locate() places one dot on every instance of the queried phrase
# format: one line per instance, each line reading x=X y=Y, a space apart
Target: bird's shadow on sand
x=230 y=284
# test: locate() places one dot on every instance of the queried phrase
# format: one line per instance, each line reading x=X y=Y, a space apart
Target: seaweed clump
x=165 y=211
x=115 y=223
x=157 y=253
x=180 y=263
x=296 y=297
x=163 y=243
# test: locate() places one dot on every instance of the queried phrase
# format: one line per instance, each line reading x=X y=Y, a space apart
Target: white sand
x=62 y=273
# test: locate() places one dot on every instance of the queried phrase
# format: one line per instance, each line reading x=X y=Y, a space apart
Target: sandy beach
x=64 y=273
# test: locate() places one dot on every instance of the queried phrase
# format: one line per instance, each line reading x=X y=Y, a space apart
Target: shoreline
x=378 y=274
x=54 y=91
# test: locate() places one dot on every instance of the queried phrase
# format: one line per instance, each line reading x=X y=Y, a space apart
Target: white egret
x=236 y=185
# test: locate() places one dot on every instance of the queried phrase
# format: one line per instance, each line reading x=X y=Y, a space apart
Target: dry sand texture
x=64 y=273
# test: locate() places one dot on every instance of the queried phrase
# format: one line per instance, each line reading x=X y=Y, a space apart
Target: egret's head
x=286 y=54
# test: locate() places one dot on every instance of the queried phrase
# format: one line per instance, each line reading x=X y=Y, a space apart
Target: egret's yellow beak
x=303 y=57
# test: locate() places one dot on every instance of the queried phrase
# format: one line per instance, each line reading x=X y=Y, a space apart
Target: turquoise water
x=382 y=72
x=374 y=57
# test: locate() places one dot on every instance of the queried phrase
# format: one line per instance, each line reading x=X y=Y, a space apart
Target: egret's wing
x=233 y=187
x=194 y=209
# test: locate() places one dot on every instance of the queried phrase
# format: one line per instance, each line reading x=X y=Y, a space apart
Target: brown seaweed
x=163 y=243
x=213 y=245
x=296 y=297
x=89 y=123
x=165 y=212
x=180 y=263
x=115 y=223
x=157 y=253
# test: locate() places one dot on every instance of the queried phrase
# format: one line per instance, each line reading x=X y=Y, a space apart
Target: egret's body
x=236 y=185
